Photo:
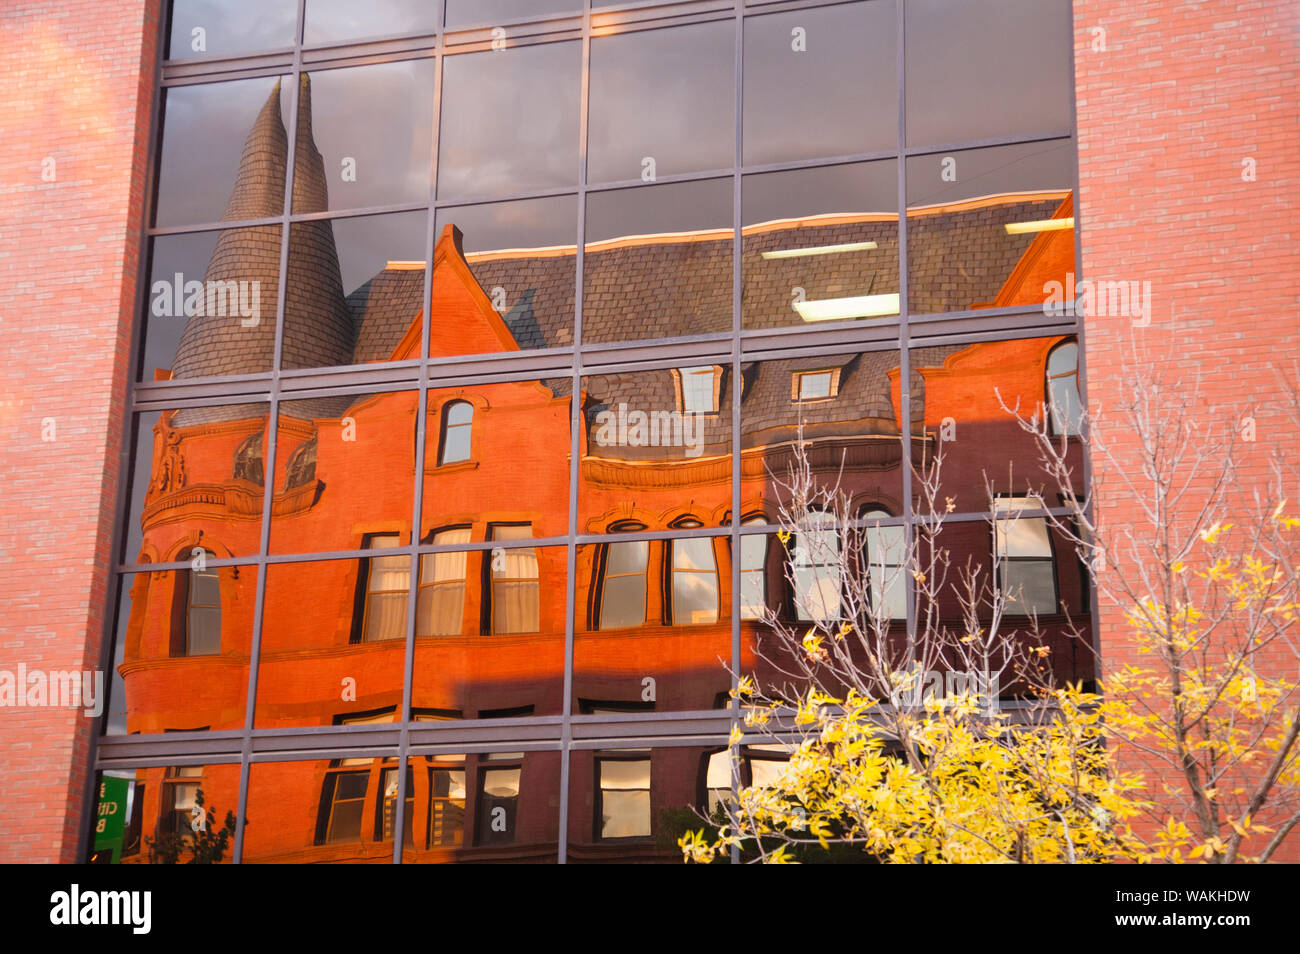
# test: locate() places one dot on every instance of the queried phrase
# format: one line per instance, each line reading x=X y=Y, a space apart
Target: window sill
x=461 y=466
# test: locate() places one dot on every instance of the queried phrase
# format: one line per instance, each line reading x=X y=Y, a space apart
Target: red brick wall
x=1182 y=93
x=78 y=87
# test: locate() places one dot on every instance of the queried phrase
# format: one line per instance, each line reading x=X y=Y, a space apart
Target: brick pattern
x=79 y=82
x=1181 y=95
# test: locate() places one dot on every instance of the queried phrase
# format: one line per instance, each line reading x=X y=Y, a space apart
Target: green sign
x=111 y=819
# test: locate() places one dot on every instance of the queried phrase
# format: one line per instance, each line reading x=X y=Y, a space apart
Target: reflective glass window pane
x=990 y=228
x=512 y=472
x=470 y=12
x=333 y=640
x=230 y=27
x=967 y=435
x=148 y=815
x=337 y=21
x=345 y=468
x=211 y=304
x=178 y=630
x=647 y=115
x=646 y=640
x=820 y=82
x=978 y=69
x=1051 y=588
x=490 y=637
x=351 y=152
x=631 y=805
x=355 y=290
x=194 y=479
x=485 y=808
x=520 y=289
x=820 y=245
x=224 y=151
x=509 y=121
x=853 y=437
x=658 y=261
x=645 y=453
x=327 y=811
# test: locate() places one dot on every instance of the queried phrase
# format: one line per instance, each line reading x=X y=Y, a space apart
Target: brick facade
x=1181 y=95
x=78 y=87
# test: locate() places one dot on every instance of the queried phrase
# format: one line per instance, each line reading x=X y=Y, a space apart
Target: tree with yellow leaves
x=877 y=764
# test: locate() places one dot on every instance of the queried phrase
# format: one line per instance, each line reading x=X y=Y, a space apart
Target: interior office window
x=699 y=389
x=694 y=579
x=457 y=423
x=623 y=797
x=203 y=610
x=886 y=555
x=179 y=788
x=1023 y=551
x=623 y=587
x=516 y=590
x=498 y=800
x=1063 y=397
x=446 y=801
x=441 y=599
x=817 y=571
x=753 y=572
x=388 y=582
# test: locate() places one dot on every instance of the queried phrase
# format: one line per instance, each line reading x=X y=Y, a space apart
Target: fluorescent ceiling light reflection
x=1042 y=225
x=820 y=250
x=834 y=309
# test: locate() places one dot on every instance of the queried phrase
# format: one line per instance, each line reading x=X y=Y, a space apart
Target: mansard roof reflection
x=637 y=287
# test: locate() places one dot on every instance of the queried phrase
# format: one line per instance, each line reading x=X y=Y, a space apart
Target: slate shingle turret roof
x=318 y=324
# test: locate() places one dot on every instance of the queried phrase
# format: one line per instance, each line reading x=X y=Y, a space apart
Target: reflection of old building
x=652 y=615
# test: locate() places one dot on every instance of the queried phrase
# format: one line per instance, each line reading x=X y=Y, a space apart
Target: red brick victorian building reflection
x=653 y=621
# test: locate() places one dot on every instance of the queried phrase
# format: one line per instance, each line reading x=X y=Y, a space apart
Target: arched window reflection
x=457 y=423
x=886 y=555
x=623 y=581
x=1063 y=396
x=694 y=583
x=302 y=465
x=199 y=592
x=248 y=459
x=816 y=569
